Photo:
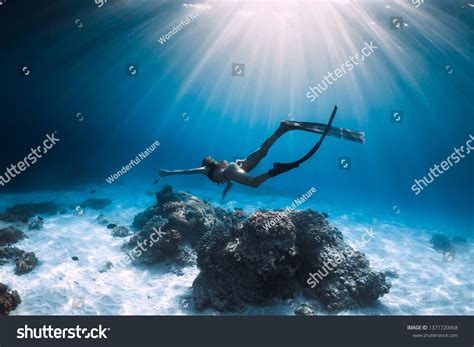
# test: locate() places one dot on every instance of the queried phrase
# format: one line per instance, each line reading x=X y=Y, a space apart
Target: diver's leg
x=252 y=181
x=237 y=174
x=258 y=180
x=249 y=163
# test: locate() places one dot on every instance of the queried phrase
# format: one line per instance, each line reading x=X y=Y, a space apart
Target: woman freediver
x=223 y=172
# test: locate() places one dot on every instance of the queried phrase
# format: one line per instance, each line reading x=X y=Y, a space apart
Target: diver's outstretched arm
x=200 y=170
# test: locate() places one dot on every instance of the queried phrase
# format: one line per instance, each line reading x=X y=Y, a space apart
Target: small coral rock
x=26 y=263
x=120 y=231
x=9 y=299
x=305 y=310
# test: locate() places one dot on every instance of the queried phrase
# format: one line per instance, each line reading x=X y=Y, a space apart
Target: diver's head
x=211 y=162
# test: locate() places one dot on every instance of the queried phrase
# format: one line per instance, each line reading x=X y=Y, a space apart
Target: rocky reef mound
x=253 y=263
x=170 y=229
x=254 y=259
x=9 y=299
x=23 y=212
x=96 y=203
x=10 y=235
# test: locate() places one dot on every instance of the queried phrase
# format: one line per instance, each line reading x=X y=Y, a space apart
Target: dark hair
x=210 y=162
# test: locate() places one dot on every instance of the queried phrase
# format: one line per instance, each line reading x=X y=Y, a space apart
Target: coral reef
x=255 y=259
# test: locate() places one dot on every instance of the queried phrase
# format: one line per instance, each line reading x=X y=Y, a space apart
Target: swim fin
x=279 y=168
x=319 y=128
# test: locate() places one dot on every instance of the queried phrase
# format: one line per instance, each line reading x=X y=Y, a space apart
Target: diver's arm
x=227 y=188
x=200 y=170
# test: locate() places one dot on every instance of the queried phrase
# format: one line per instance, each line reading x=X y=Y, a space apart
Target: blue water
x=184 y=96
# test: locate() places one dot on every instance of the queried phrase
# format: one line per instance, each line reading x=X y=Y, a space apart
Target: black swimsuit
x=212 y=168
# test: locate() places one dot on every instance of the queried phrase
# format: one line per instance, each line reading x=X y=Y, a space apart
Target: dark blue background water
x=85 y=70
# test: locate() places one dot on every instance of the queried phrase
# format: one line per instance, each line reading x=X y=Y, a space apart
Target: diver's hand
x=163 y=173
x=227 y=188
